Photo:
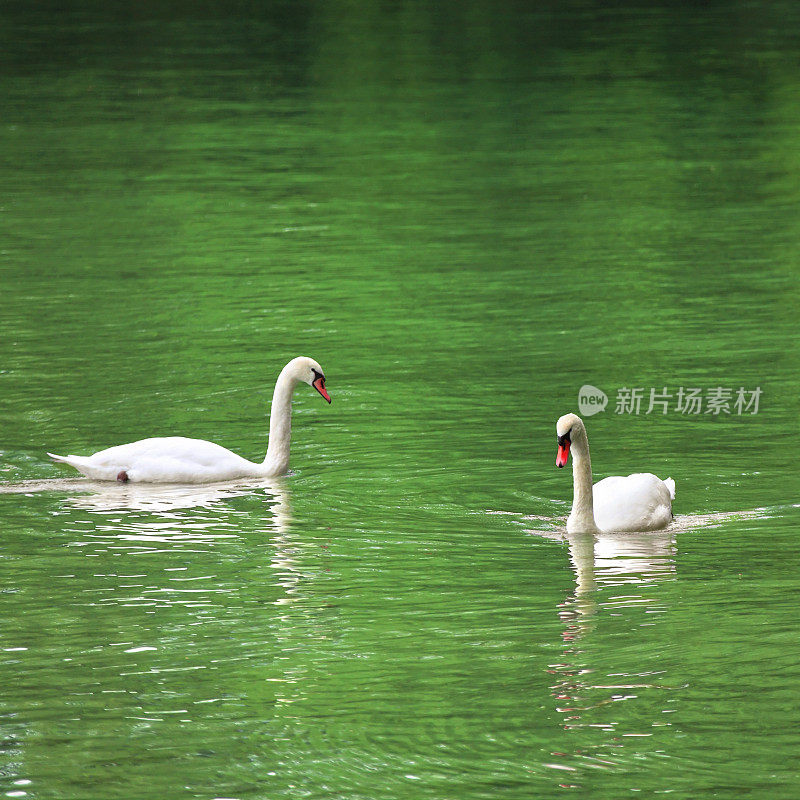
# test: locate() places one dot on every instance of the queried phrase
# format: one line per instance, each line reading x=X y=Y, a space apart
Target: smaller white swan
x=640 y=502
x=176 y=459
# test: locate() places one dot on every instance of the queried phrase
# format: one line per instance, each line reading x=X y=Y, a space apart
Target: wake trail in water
x=554 y=526
x=50 y=485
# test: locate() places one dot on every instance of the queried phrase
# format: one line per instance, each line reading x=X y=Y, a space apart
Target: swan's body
x=176 y=459
x=639 y=502
x=166 y=459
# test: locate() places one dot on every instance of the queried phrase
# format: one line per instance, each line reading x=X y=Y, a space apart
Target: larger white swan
x=176 y=459
x=639 y=502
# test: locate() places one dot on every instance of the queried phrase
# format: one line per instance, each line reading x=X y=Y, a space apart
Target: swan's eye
x=562 y=440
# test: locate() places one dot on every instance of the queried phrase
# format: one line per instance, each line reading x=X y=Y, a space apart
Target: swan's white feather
x=638 y=502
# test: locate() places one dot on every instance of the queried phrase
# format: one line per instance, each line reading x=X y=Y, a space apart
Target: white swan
x=176 y=459
x=640 y=502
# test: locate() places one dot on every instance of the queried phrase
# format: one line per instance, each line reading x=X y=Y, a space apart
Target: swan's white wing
x=180 y=448
x=638 y=502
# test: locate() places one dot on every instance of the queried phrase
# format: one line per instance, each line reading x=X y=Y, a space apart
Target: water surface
x=464 y=215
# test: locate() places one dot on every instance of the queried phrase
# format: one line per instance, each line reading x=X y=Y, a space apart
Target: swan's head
x=568 y=427
x=308 y=371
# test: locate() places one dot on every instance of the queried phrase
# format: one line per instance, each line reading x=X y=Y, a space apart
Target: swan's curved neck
x=581 y=518
x=276 y=461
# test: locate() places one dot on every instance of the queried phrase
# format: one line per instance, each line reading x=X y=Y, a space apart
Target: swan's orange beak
x=563 y=453
x=319 y=385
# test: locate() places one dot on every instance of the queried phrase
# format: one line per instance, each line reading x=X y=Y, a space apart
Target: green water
x=464 y=212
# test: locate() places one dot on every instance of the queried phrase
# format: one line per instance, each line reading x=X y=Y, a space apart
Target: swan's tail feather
x=670 y=484
x=74 y=461
x=86 y=467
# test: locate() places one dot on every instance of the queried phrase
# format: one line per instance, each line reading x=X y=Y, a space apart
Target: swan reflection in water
x=104 y=496
x=606 y=560
x=631 y=564
x=190 y=518
x=110 y=496
x=227 y=554
x=151 y=516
